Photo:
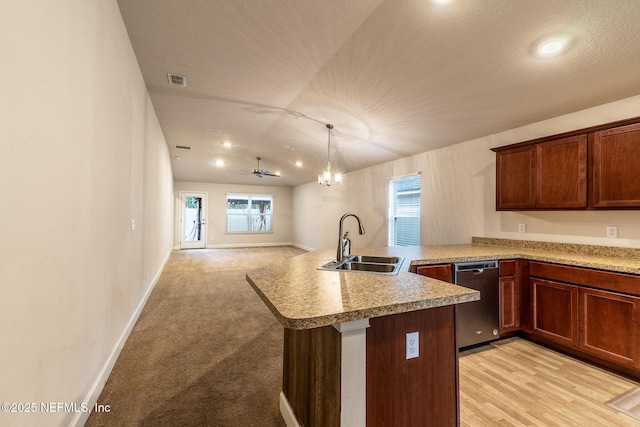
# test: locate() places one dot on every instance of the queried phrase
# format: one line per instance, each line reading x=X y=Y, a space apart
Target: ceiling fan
x=261 y=173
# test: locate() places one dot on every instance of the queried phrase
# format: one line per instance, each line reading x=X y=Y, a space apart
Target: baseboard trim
x=287 y=412
x=306 y=248
x=248 y=245
x=80 y=419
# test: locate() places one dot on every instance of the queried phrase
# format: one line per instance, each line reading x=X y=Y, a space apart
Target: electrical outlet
x=413 y=345
x=522 y=228
x=612 y=231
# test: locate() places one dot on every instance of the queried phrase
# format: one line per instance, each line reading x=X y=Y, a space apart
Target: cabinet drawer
x=618 y=282
x=439 y=272
x=507 y=268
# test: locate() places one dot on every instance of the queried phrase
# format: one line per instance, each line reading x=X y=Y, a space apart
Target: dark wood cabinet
x=616 y=167
x=561 y=173
x=610 y=325
x=555 y=311
x=442 y=272
x=591 y=168
x=547 y=175
x=311 y=375
x=509 y=292
x=604 y=305
x=413 y=392
x=516 y=178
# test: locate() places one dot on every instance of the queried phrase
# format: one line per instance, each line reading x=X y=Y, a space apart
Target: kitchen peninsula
x=344 y=336
x=336 y=322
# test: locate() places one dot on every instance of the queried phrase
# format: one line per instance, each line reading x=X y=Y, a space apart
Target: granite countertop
x=625 y=262
x=302 y=297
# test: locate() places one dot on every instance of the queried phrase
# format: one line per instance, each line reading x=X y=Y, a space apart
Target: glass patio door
x=193 y=230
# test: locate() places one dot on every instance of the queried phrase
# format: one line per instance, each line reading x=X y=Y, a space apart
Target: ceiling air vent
x=183 y=147
x=177 y=80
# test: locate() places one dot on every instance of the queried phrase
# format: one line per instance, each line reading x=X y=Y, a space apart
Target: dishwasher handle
x=475 y=266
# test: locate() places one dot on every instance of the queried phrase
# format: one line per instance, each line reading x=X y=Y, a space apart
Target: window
x=404 y=211
x=248 y=213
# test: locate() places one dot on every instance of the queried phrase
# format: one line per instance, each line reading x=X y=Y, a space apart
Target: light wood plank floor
x=518 y=383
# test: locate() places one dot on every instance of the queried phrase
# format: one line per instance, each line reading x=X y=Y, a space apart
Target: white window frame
x=412 y=209
x=253 y=219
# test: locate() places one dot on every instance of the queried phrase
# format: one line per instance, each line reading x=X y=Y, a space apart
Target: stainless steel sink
x=375 y=259
x=366 y=264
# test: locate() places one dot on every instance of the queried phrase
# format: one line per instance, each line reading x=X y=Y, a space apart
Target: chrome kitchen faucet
x=340 y=254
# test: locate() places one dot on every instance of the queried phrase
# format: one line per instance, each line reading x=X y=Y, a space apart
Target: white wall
x=458 y=195
x=82 y=155
x=217 y=219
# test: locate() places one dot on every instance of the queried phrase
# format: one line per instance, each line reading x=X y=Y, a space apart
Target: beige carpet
x=205 y=352
x=628 y=403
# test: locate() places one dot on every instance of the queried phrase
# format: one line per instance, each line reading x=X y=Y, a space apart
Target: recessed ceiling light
x=299 y=164
x=278 y=173
x=551 y=46
x=227 y=144
x=219 y=163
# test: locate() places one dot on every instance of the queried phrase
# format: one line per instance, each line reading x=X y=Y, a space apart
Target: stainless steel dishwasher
x=478 y=321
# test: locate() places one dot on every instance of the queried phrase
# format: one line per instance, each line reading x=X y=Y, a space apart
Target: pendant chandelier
x=327 y=177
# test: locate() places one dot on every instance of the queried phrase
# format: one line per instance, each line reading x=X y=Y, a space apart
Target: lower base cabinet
x=583 y=313
x=416 y=392
x=609 y=326
x=555 y=311
x=509 y=296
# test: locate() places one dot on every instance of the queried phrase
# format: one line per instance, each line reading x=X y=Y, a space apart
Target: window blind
x=404 y=211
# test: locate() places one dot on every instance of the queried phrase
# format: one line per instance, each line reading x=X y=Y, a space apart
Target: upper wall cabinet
x=616 y=167
x=516 y=178
x=595 y=168
x=548 y=175
x=561 y=167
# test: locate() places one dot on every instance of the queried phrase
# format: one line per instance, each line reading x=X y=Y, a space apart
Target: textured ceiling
x=394 y=77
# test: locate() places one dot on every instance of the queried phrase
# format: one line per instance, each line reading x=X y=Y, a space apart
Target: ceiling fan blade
x=259 y=172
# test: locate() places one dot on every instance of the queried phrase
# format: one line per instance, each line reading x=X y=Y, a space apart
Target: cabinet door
x=555 y=311
x=509 y=304
x=515 y=178
x=609 y=326
x=616 y=167
x=561 y=173
x=439 y=272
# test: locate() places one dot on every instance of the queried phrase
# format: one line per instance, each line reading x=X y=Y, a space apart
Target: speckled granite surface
x=302 y=297
x=622 y=260
x=602 y=251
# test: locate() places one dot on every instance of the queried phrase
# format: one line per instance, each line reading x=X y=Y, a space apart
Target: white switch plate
x=612 y=231
x=522 y=228
x=133 y=224
x=413 y=345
